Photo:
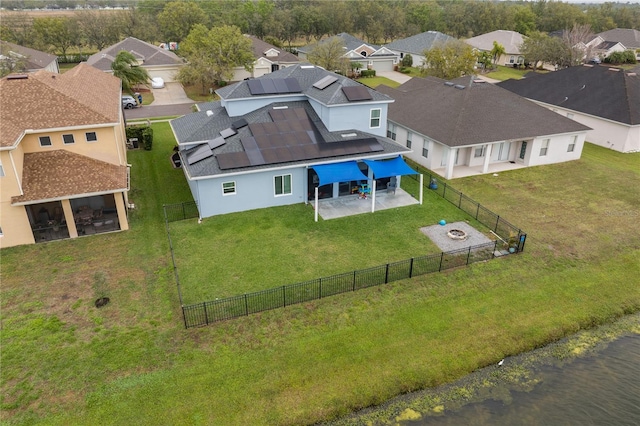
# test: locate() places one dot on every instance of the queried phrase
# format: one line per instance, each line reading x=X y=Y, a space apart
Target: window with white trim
x=228 y=188
x=282 y=185
x=544 y=148
x=391 y=131
x=409 y=137
x=91 y=136
x=1 y=170
x=68 y=139
x=374 y=119
x=572 y=145
x=45 y=141
x=425 y=152
x=479 y=152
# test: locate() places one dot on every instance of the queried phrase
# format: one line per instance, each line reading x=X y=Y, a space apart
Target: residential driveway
x=171 y=93
x=151 y=111
x=394 y=75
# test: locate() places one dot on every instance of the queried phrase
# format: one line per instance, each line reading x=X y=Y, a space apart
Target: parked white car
x=157 y=83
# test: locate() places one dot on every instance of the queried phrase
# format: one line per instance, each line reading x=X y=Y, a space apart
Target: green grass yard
x=374 y=82
x=64 y=362
x=505 y=73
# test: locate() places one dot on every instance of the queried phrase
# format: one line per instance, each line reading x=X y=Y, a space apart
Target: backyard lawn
x=374 y=82
x=65 y=362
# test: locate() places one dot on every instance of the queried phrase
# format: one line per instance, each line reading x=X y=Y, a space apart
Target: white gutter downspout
x=15 y=171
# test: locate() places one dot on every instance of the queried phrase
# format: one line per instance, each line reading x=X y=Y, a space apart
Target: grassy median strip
x=131 y=362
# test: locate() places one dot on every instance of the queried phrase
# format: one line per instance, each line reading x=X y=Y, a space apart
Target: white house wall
x=609 y=134
x=253 y=191
x=557 y=150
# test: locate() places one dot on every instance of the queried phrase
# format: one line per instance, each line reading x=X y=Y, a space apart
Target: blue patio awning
x=388 y=168
x=339 y=172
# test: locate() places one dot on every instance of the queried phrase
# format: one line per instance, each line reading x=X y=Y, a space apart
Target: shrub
x=147 y=138
x=407 y=61
x=626 y=57
x=368 y=73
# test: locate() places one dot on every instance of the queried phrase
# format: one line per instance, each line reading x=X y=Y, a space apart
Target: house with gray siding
x=468 y=127
x=261 y=144
x=417 y=44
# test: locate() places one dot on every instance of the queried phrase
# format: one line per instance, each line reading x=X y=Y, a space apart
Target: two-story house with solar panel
x=265 y=142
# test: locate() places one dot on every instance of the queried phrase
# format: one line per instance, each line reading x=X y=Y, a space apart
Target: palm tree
x=497 y=51
x=126 y=68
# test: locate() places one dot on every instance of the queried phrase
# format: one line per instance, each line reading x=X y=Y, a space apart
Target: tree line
x=294 y=22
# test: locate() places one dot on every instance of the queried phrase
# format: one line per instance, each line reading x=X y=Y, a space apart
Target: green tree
x=212 y=54
x=407 y=60
x=125 y=67
x=485 y=59
x=99 y=30
x=61 y=33
x=539 y=47
x=450 y=60
x=178 y=17
x=329 y=55
x=497 y=51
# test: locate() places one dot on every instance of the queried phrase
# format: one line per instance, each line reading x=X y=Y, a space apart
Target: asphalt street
x=150 y=111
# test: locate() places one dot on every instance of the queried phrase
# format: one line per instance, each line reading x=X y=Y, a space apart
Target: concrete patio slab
x=352 y=205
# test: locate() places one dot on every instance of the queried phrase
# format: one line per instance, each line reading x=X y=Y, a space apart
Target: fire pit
x=457 y=234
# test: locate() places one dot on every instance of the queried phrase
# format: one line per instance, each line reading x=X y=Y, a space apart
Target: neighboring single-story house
x=510 y=40
x=417 y=44
x=63 y=159
x=599 y=48
x=629 y=38
x=269 y=58
x=34 y=59
x=371 y=56
x=157 y=61
x=605 y=99
x=263 y=143
x=467 y=127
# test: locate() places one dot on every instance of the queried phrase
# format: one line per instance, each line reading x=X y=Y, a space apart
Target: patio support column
x=122 y=212
x=373 y=197
x=68 y=217
x=487 y=158
x=421 y=187
x=448 y=174
x=316 y=205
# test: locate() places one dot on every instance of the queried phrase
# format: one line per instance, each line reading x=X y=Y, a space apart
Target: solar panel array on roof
x=228 y=132
x=239 y=124
x=198 y=154
x=214 y=143
x=291 y=136
x=356 y=93
x=273 y=86
x=325 y=82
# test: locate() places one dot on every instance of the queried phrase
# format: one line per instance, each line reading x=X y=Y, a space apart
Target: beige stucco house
x=510 y=40
x=63 y=160
x=158 y=61
x=269 y=58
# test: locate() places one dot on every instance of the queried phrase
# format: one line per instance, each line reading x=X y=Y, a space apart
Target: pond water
x=600 y=389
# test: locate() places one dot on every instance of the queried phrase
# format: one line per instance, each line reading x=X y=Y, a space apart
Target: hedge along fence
x=204 y=313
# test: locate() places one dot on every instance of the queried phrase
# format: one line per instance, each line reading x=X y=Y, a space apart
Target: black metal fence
x=510 y=234
x=205 y=313
x=181 y=211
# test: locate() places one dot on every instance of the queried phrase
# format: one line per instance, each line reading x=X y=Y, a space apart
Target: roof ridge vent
x=459 y=86
x=349 y=135
x=614 y=69
x=448 y=83
x=307 y=67
x=209 y=113
x=281 y=107
x=17 y=77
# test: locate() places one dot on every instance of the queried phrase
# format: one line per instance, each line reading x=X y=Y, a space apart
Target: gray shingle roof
x=510 y=40
x=306 y=75
x=628 y=37
x=201 y=126
x=417 y=44
x=349 y=41
x=149 y=54
x=259 y=47
x=595 y=90
x=475 y=114
x=36 y=59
